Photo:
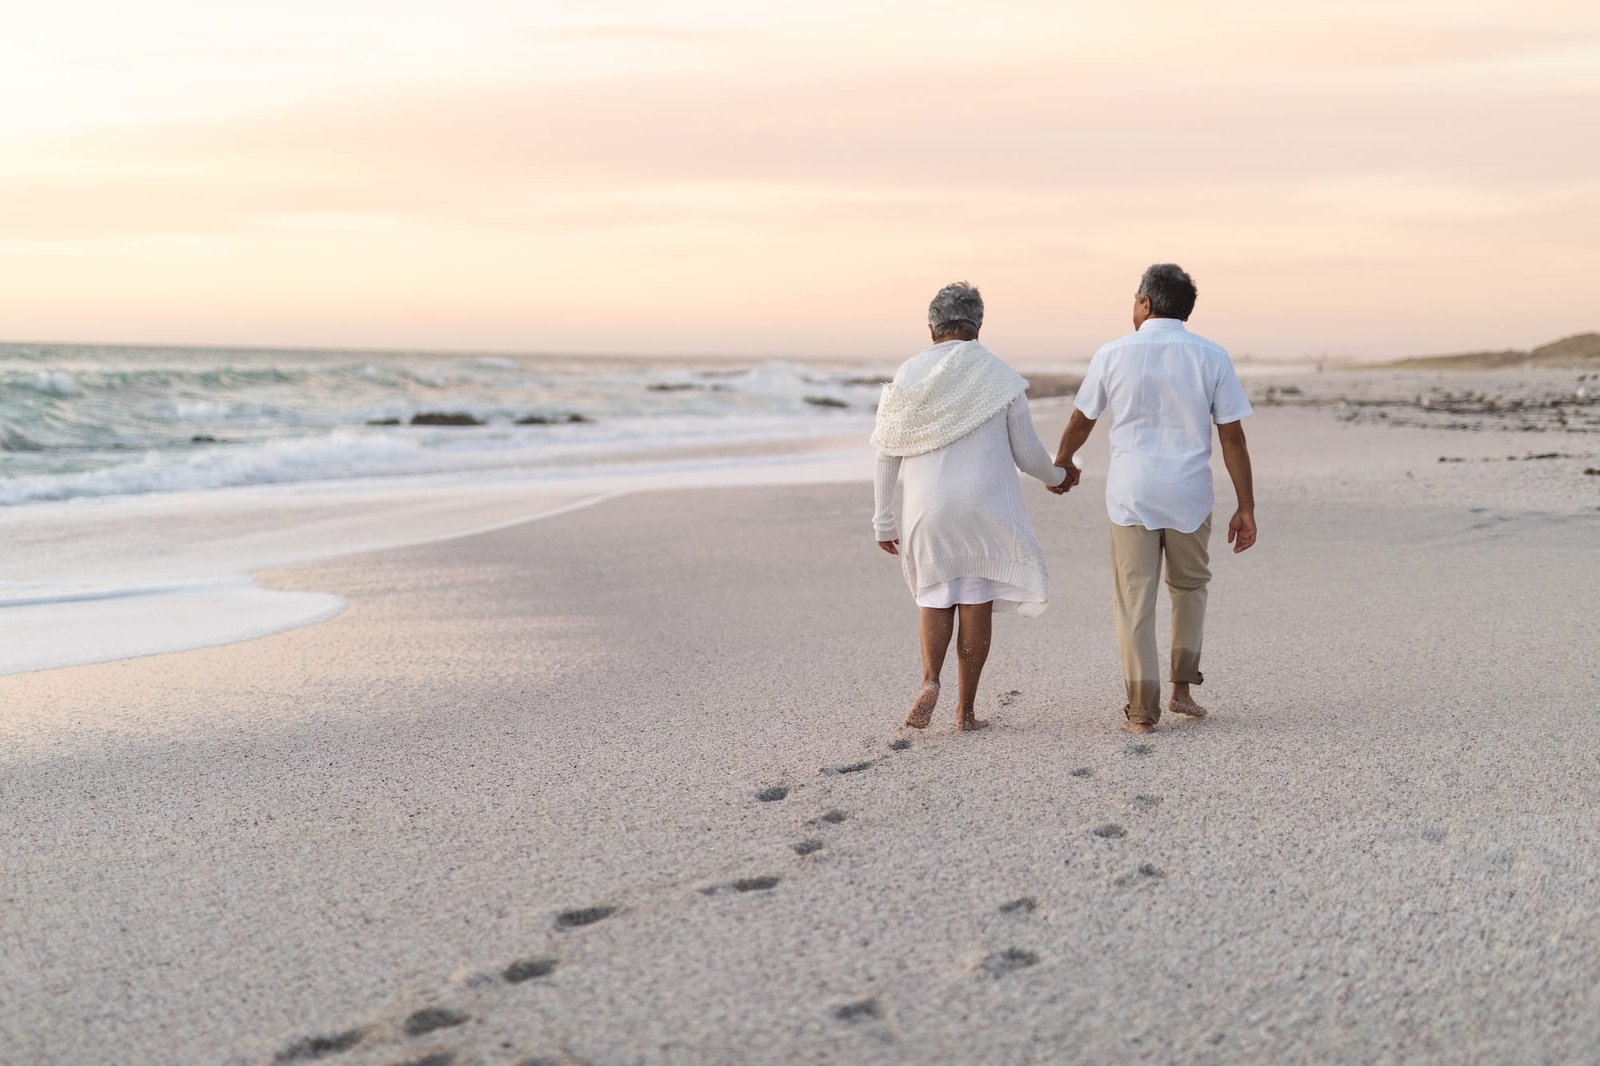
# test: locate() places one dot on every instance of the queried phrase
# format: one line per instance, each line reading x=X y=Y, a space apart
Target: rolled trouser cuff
x=1144 y=702
x=1186 y=667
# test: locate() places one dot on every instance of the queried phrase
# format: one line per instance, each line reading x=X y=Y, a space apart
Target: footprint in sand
x=1146 y=803
x=903 y=744
x=1141 y=749
x=430 y=1019
x=743 y=884
x=808 y=847
x=862 y=1010
x=1109 y=832
x=310 y=1048
x=1025 y=905
x=773 y=794
x=1147 y=872
x=852 y=768
x=1007 y=698
x=833 y=817
x=1008 y=961
x=528 y=969
x=583 y=916
x=1082 y=771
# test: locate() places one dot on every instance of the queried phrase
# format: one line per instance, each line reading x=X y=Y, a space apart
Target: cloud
x=1363 y=156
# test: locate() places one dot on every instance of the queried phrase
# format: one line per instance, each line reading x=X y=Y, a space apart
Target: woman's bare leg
x=972 y=651
x=937 y=625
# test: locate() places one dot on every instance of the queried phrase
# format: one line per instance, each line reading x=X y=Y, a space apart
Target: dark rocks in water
x=825 y=401
x=205 y=438
x=870 y=379
x=383 y=421
x=672 y=386
x=444 y=418
x=430 y=1018
x=316 y=1047
x=1592 y=471
x=553 y=420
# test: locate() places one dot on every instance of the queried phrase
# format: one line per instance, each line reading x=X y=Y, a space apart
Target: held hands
x=1074 y=475
x=1242 y=530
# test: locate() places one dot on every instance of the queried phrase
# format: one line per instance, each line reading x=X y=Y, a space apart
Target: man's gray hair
x=956 y=308
x=1170 y=289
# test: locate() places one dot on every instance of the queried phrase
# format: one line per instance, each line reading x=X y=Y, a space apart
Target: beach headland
x=627 y=785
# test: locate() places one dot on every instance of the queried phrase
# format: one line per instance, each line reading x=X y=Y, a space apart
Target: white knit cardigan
x=960 y=394
x=963 y=515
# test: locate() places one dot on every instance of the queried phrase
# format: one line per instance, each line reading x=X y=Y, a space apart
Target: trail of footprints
x=435 y=1021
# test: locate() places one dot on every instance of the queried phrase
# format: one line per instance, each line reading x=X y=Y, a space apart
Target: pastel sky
x=1363 y=179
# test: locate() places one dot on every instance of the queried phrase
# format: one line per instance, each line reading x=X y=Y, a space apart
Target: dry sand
x=355 y=843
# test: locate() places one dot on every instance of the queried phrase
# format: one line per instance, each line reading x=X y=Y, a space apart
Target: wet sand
x=628 y=785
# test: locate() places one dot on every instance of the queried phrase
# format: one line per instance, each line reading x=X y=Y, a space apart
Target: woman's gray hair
x=956 y=308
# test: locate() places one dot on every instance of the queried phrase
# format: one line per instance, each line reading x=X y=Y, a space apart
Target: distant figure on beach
x=954 y=425
x=1163 y=388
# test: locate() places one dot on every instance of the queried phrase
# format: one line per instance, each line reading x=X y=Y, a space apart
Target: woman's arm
x=883 y=482
x=1026 y=449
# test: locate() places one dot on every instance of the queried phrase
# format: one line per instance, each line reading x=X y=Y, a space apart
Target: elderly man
x=1162 y=388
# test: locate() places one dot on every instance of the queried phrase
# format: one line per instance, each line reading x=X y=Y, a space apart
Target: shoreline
x=260 y=525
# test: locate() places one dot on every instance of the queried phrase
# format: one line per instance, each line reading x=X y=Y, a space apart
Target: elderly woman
x=954 y=426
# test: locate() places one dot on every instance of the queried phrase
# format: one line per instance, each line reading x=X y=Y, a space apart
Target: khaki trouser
x=1135 y=568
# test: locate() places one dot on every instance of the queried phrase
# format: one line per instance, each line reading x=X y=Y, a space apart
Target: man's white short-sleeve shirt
x=1163 y=388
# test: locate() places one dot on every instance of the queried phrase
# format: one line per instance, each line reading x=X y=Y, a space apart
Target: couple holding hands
x=954 y=427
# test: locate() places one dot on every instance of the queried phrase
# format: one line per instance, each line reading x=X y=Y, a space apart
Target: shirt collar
x=1163 y=323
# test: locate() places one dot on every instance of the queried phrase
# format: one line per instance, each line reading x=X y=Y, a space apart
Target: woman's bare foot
x=921 y=712
x=1138 y=727
x=1184 y=704
x=968 y=723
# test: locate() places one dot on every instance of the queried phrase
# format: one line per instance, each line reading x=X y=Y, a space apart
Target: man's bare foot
x=1184 y=704
x=921 y=712
x=971 y=724
x=1138 y=727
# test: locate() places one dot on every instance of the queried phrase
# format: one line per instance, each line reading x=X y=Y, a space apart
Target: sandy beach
x=628 y=785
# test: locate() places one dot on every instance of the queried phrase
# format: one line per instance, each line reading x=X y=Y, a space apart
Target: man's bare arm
x=1079 y=426
x=1236 y=457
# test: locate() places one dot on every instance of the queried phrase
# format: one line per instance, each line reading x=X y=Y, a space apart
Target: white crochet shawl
x=960 y=394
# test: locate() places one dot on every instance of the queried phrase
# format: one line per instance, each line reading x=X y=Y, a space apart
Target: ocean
x=141 y=488
x=84 y=421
